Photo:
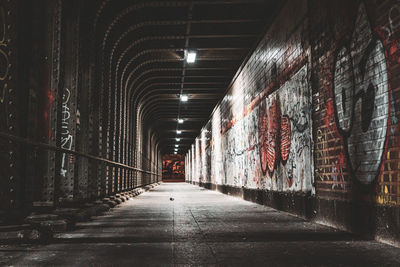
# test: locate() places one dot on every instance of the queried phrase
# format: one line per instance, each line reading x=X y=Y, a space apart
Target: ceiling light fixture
x=184 y=98
x=180 y=120
x=178 y=131
x=191 y=57
x=178 y=139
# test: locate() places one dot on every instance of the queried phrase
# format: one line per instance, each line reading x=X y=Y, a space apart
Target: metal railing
x=27 y=142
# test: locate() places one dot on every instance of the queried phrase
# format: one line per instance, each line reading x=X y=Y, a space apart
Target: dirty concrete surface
x=199 y=228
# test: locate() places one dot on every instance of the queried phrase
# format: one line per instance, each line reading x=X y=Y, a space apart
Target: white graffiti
x=362 y=99
x=393 y=25
x=66 y=137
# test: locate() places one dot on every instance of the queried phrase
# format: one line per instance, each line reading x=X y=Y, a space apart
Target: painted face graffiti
x=362 y=99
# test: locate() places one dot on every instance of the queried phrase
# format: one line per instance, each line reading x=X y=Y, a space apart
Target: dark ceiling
x=146 y=42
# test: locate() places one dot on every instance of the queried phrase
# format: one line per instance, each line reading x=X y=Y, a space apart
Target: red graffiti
x=262 y=135
x=329 y=113
x=342 y=159
x=273 y=126
x=274 y=133
x=285 y=137
x=50 y=100
x=394 y=54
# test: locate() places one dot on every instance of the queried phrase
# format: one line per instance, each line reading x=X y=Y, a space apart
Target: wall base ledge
x=365 y=219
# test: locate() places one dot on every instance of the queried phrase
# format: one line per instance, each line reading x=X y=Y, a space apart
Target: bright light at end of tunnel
x=178 y=139
x=180 y=120
x=184 y=98
x=191 y=57
x=178 y=131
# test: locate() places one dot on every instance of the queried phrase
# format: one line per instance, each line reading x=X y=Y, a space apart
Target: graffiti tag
x=66 y=137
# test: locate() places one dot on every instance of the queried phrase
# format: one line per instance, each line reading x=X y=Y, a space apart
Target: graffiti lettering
x=66 y=137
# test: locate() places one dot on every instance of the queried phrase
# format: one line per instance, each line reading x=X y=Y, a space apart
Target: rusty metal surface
x=10 y=156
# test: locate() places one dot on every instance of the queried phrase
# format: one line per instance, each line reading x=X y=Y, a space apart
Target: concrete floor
x=199 y=228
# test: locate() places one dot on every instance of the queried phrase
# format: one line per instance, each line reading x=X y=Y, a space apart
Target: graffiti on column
x=5 y=161
x=362 y=99
x=66 y=137
x=4 y=62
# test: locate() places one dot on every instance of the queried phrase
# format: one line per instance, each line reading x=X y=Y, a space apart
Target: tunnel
x=199 y=133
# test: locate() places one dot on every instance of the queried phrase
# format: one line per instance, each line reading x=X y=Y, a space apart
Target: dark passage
x=173 y=168
x=200 y=227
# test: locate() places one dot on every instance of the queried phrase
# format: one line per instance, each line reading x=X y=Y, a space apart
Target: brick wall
x=355 y=79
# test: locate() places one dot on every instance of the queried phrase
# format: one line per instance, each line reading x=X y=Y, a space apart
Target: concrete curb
x=43 y=224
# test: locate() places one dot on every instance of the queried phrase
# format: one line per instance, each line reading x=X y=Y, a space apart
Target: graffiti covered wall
x=258 y=137
x=315 y=110
x=173 y=167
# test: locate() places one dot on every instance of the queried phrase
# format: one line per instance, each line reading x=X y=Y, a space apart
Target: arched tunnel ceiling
x=143 y=46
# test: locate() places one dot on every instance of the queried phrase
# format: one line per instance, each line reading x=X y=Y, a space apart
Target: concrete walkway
x=200 y=227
